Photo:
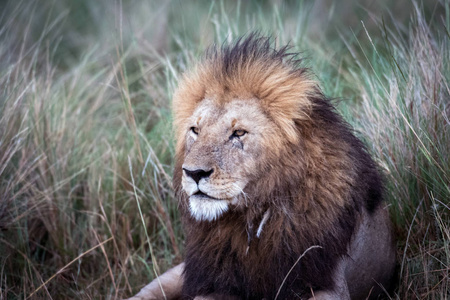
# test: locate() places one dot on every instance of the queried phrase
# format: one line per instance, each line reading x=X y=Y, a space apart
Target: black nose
x=198 y=174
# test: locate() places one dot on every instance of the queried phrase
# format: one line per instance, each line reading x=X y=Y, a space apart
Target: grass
x=86 y=147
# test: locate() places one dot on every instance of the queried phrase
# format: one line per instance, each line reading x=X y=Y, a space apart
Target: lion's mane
x=315 y=182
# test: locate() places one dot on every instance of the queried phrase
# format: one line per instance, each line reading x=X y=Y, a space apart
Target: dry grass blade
x=292 y=268
x=63 y=268
x=154 y=265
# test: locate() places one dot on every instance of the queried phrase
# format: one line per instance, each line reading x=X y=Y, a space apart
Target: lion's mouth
x=201 y=195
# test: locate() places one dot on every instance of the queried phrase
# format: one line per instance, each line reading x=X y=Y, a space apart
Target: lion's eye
x=239 y=133
x=195 y=130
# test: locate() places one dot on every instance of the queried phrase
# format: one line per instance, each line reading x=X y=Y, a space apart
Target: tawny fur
x=289 y=172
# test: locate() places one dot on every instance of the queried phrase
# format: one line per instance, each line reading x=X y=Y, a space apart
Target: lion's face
x=224 y=149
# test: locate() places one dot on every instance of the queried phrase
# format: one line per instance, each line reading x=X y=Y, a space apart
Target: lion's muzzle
x=203 y=203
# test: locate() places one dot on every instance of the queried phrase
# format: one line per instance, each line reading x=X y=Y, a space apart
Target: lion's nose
x=198 y=174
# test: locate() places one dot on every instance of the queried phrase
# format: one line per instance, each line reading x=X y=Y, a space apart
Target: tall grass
x=86 y=205
x=70 y=134
x=404 y=114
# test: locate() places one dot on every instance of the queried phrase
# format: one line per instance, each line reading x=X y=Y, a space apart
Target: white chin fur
x=205 y=209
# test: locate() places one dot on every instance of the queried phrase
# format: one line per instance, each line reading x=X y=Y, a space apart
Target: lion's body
x=278 y=198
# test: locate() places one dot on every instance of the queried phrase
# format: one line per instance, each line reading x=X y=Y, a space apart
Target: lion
x=279 y=199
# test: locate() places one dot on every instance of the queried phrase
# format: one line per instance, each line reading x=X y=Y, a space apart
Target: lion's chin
x=204 y=208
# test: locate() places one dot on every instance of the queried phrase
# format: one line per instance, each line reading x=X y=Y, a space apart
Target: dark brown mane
x=250 y=50
x=314 y=188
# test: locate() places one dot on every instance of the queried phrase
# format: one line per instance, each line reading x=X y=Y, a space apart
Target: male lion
x=279 y=199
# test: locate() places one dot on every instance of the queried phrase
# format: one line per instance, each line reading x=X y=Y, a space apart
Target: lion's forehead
x=246 y=113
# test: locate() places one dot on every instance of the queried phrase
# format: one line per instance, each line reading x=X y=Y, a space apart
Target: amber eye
x=195 y=130
x=239 y=133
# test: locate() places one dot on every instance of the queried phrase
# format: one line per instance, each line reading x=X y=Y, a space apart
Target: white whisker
x=241 y=192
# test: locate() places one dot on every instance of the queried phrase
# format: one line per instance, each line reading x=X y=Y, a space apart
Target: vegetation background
x=86 y=147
